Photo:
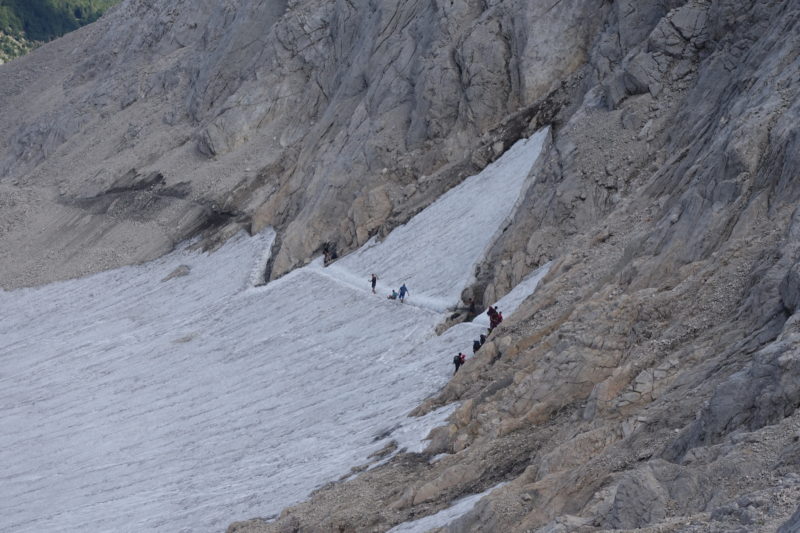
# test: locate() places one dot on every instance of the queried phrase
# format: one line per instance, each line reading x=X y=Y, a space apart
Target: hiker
x=483 y=339
x=403 y=292
x=493 y=318
x=393 y=296
x=476 y=345
x=329 y=252
x=458 y=360
x=373 y=280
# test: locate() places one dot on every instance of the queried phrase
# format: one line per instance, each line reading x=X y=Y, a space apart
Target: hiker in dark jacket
x=373 y=280
x=458 y=360
x=403 y=292
x=476 y=345
x=493 y=318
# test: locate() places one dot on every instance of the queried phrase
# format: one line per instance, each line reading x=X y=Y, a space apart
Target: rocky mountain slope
x=331 y=121
x=651 y=383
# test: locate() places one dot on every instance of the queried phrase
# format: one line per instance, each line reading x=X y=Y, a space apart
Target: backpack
x=457 y=359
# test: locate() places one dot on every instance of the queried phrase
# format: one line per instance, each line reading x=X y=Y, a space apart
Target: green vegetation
x=11 y=47
x=26 y=22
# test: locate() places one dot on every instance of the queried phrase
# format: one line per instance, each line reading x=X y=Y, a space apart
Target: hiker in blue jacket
x=403 y=292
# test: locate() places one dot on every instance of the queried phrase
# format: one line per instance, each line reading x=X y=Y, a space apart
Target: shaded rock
x=441 y=439
x=732 y=512
x=639 y=500
x=792 y=525
x=642 y=74
x=790 y=289
x=690 y=21
x=767 y=390
x=451 y=478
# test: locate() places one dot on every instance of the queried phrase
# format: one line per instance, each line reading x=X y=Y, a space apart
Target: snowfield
x=129 y=403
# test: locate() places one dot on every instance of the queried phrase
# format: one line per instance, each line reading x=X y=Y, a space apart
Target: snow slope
x=129 y=403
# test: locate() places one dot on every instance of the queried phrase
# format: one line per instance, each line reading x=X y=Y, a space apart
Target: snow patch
x=436 y=252
x=412 y=435
x=445 y=516
x=186 y=405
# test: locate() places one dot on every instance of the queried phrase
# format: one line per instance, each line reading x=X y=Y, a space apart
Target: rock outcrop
x=331 y=121
x=651 y=382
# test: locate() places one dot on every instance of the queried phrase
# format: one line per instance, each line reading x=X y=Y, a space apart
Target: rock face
x=652 y=381
x=331 y=121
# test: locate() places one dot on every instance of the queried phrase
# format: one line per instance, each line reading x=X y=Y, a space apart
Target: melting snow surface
x=133 y=404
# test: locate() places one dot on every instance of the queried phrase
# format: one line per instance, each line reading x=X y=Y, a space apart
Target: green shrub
x=9 y=21
x=44 y=20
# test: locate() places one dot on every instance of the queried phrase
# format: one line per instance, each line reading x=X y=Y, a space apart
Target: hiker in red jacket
x=494 y=318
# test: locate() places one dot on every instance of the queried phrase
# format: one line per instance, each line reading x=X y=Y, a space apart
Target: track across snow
x=134 y=404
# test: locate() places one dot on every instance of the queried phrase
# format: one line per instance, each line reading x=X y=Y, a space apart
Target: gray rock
x=690 y=21
x=179 y=272
x=639 y=500
x=732 y=512
x=642 y=74
x=637 y=19
x=790 y=289
x=765 y=391
x=317 y=97
x=792 y=525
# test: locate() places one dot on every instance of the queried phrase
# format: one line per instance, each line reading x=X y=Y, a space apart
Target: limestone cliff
x=331 y=121
x=651 y=382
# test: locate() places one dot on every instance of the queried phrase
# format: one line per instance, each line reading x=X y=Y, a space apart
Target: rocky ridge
x=330 y=121
x=650 y=384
